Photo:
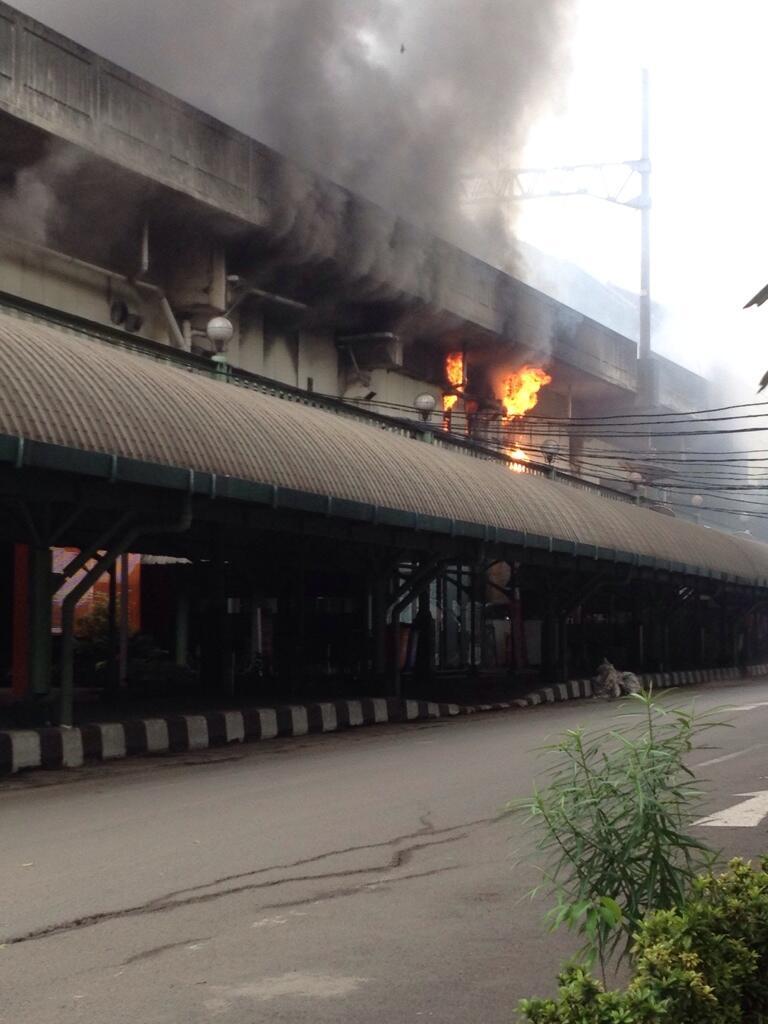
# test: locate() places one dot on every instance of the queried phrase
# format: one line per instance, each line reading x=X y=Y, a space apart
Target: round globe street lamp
x=697 y=501
x=551 y=450
x=425 y=404
x=636 y=479
x=219 y=331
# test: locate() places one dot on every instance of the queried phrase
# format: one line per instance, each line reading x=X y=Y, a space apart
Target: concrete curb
x=60 y=747
x=576 y=689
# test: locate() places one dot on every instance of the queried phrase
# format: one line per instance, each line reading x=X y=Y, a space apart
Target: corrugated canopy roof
x=83 y=394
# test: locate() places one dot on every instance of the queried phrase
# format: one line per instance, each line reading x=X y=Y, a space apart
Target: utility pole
x=646 y=389
x=617 y=183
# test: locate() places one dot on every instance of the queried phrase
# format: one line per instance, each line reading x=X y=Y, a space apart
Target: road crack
x=197 y=895
x=148 y=954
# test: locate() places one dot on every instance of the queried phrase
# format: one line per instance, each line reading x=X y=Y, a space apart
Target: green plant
x=706 y=963
x=612 y=823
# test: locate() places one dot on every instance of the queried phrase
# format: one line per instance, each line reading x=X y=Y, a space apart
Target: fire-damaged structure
x=303 y=414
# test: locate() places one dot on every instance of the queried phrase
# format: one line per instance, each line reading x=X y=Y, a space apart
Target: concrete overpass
x=82 y=120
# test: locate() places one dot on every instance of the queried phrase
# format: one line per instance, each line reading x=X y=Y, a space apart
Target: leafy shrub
x=706 y=963
x=612 y=824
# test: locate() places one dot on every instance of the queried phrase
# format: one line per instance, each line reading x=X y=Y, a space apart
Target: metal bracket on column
x=71 y=519
x=88 y=554
x=751 y=609
x=405 y=593
x=34 y=533
x=103 y=564
x=580 y=596
x=415 y=583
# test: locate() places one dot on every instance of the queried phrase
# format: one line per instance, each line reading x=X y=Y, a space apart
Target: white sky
x=709 y=98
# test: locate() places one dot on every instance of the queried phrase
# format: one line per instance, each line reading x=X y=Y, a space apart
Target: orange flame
x=454 y=372
x=454 y=369
x=518 y=457
x=521 y=390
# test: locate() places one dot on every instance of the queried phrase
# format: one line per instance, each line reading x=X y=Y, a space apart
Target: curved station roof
x=78 y=394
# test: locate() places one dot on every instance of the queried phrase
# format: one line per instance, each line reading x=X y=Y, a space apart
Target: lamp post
x=636 y=479
x=551 y=449
x=425 y=405
x=697 y=501
x=220 y=332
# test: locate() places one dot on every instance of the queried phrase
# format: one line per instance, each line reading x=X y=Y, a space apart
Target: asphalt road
x=357 y=877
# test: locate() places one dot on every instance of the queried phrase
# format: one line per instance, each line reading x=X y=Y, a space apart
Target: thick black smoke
x=395 y=99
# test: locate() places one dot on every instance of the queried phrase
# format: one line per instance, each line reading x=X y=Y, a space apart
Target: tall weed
x=612 y=824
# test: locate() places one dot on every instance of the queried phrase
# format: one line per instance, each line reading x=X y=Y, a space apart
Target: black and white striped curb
x=576 y=689
x=60 y=747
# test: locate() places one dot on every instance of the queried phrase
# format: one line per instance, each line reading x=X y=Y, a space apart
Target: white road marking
x=749 y=707
x=745 y=814
x=729 y=757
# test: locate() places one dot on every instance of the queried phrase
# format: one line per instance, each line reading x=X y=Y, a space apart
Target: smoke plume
x=395 y=100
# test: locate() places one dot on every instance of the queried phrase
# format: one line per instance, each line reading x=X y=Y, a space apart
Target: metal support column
x=699 y=652
x=31 y=658
x=297 y=654
x=40 y=570
x=379 y=626
x=424 y=624
x=638 y=629
x=181 y=639
x=562 y=649
x=223 y=655
x=722 y=654
x=473 y=623
x=550 y=643
x=124 y=623
x=113 y=668
x=256 y=633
